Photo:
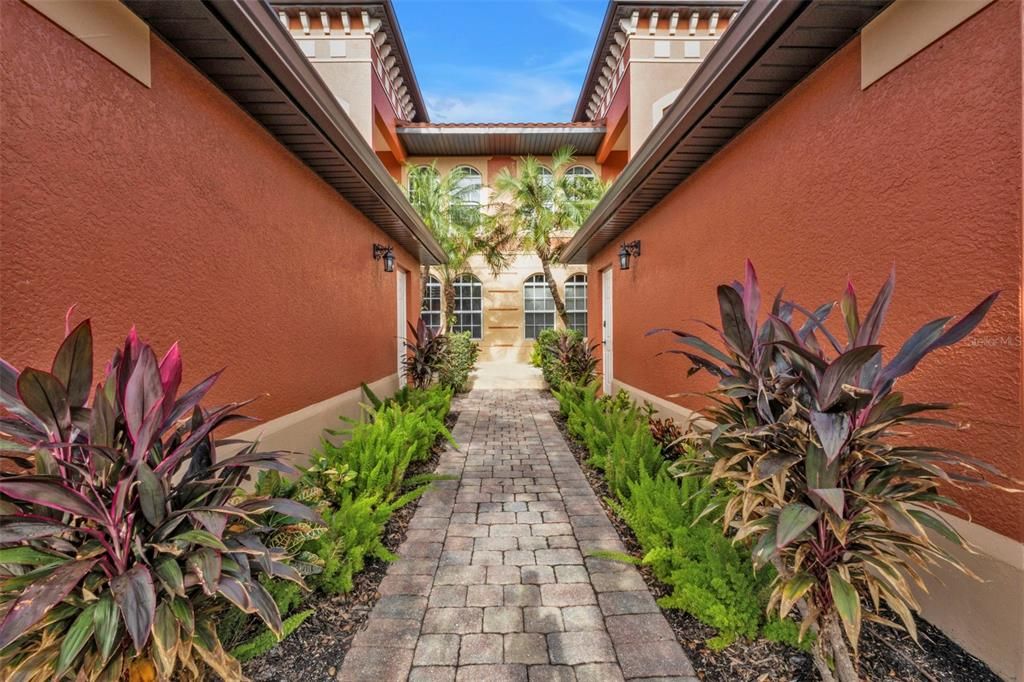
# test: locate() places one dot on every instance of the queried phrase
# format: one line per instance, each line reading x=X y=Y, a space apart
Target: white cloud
x=542 y=93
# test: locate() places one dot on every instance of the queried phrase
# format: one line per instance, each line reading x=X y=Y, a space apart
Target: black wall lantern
x=628 y=249
x=387 y=253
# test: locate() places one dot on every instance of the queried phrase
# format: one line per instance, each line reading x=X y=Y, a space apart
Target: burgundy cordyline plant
x=424 y=355
x=815 y=466
x=128 y=539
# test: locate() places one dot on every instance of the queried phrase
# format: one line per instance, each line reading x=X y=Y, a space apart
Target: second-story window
x=422 y=179
x=470 y=194
x=581 y=182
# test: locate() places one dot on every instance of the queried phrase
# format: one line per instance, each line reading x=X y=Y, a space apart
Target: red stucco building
x=826 y=141
x=218 y=174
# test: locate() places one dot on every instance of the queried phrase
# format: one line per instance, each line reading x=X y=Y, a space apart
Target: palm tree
x=442 y=201
x=535 y=205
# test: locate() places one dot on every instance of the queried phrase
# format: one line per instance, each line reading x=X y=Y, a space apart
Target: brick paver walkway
x=494 y=581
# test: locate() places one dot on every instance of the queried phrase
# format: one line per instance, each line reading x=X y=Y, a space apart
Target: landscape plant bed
x=316 y=650
x=885 y=654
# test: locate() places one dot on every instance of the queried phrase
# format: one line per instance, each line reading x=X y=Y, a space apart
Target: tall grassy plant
x=808 y=445
x=120 y=550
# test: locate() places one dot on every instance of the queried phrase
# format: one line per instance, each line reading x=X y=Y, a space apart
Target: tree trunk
x=545 y=262
x=845 y=669
x=449 y=304
x=821 y=652
x=424 y=278
x=820 y=656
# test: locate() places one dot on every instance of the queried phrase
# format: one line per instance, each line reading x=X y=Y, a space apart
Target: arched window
x=469 y=194
x=576 y=302
x=431 y=309
x=538 y=306
x=548 y=180
x=469 y=306
x=581 y=182
x=422 y=176
x=580 y=172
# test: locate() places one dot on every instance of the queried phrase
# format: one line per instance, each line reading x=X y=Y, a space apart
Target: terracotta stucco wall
x=922 y=169
x=171 y=209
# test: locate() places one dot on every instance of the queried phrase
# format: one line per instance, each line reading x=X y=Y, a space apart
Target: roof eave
x=609 y=15
x=269 y=40
x=580 y=112
x=498 y=130
x=754 y=29
x=499 y=140
x=253 y=30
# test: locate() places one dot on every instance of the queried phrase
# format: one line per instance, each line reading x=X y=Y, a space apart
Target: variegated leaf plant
x=810 y=445
x=119 y=538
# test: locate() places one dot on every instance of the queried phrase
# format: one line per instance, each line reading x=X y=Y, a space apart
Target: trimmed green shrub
x=544 y=338
x=459 y=361
x=541 y=345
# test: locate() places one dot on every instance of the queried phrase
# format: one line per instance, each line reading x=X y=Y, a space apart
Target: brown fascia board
x=756 y=25
x=396 y=31
x=608 y=28
x=257 y=25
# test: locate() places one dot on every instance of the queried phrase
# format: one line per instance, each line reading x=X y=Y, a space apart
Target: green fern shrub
x=621 y=401
x=570 y=395
x=378 y=452
x=365 y=479
x=354 y=532
x=712 y=579
x=711 y=576
x=356 y=486
x=633 y=454
x=267 y=640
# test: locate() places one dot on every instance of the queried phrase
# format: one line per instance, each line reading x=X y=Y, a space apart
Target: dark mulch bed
x=885 y=654
x=315 y=651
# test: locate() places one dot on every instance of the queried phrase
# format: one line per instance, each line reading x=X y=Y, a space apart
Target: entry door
x=607 y=351
x=402 y=276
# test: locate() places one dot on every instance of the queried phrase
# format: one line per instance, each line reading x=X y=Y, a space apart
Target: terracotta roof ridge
x=546 y=124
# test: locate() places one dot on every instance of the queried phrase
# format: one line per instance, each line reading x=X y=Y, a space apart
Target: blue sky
x=500 y=61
